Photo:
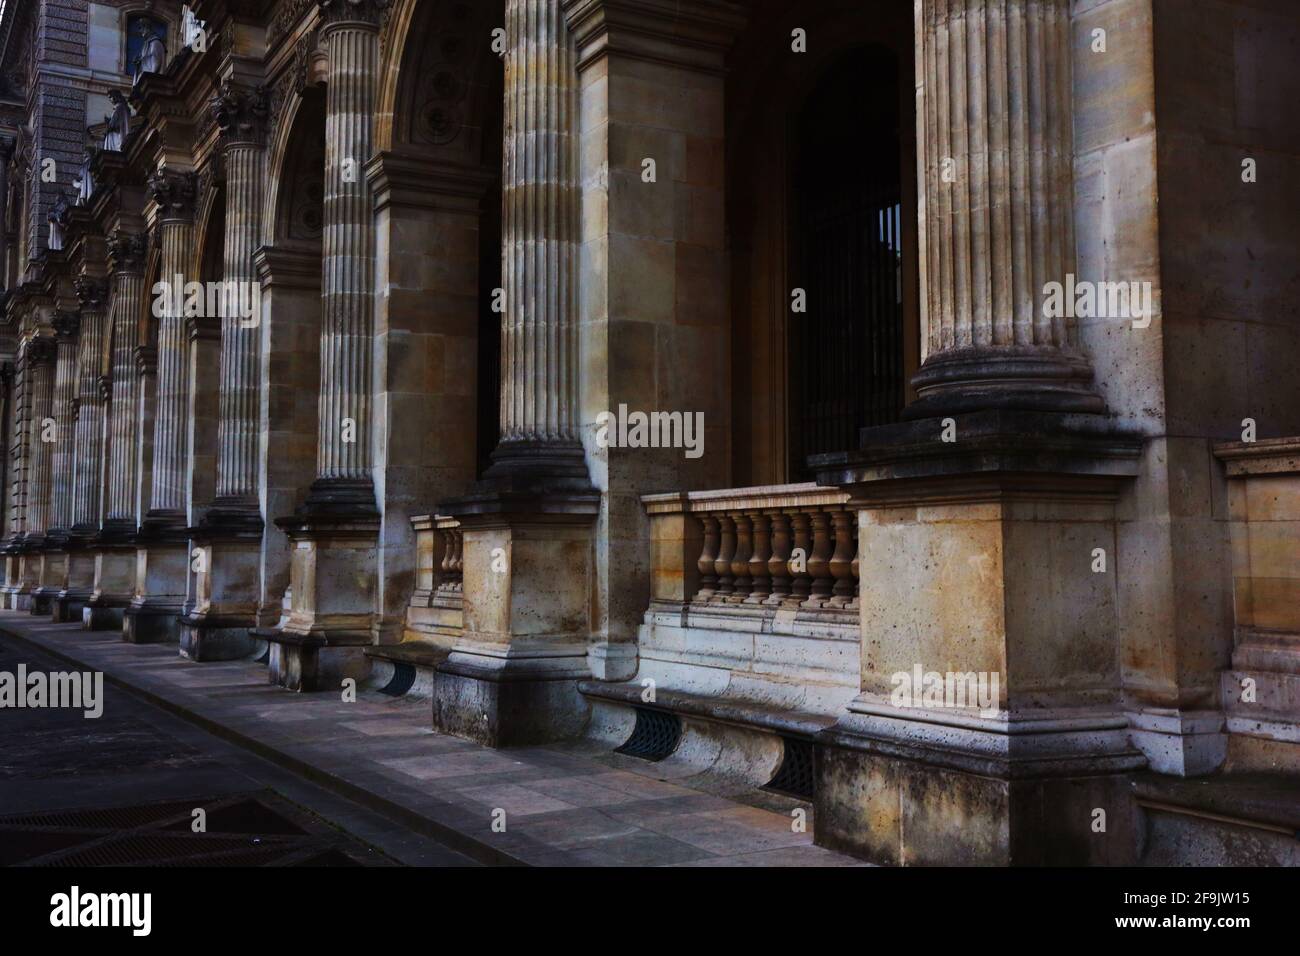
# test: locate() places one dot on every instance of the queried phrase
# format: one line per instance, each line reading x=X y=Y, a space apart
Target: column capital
x=40 y=350
x=695 y=36
x=174 y=192
x=369 y=13
x=91 y=293
x=66 y=325
x=126 y=251
x=240 y=114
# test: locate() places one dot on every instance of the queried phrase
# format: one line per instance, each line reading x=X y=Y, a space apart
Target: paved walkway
x=570 y=805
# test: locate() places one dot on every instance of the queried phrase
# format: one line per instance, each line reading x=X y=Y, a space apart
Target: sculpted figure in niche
x=153 y=52
x=118 y=123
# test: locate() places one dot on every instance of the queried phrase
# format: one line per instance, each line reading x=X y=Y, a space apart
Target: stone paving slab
x=565 y=805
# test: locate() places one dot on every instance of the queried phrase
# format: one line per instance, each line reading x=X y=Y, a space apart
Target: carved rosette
x=240 y=114
x=175 y=193
x=334 y=12
x=126 y=251
x=91 y=293
x=67 y=324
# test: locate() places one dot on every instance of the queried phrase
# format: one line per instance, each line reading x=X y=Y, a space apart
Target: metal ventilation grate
x=795 y=776
x=401 y=681
x=655 y=735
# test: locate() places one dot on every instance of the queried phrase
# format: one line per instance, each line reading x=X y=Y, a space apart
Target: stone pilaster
x=87 y=449
x=114 y=545
x=527 y=527
x=162 y=544
x=994 y=134
x=335 y=532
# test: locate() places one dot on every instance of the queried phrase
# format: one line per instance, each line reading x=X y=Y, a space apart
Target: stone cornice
x=1267 y=456
x=405 y=180
x=694 y=35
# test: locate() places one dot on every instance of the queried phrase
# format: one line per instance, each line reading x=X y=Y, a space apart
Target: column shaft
x=347 y=281
x=539 y=227
x=995 y=150
x=41 y=358
x=88 y=448
x=128 y=291
x=167 y=492
x=65 y=391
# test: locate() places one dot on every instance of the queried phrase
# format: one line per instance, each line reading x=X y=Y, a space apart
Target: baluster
x=819 y=562
x=801 y=581
x=778 y=564
x=842 y=559
x=761 y=580
x=457 y=559
x=740 y=560
x=726 y=551
x=444 y=566
x=708 y=576
x=857 y=583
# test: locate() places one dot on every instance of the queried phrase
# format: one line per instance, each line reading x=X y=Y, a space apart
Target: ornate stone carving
x=352 y=11
x=126 y=250
x=287 y=16
x=240 y=114
x=174 y=192
x=91 y=293
x=296 y=75
x=67 y=324
x=40 y=350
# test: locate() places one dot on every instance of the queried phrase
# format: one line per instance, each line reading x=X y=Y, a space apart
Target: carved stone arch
x=209 y=227
x=440 y=81
x=294 y=200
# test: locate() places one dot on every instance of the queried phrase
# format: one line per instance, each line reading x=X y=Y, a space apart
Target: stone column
x=527 y=527
x=995 y=157
x=162 y=545
x=40 y=356
x=990 y=725
x=87 y=450
x=335 y=532
x=222 y=604
x=67 y=326
x=54 y=570
x=350 y=36
x=115 y=544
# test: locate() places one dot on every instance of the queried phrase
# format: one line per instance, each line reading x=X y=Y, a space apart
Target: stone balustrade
x=435 y=612
x=779 y=546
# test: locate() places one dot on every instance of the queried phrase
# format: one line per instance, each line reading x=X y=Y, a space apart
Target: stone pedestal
x=54 y=569
x=991 y=558
x=79 y=582
x=511 y=679
x=222 y=609
x=162 y=563
x=114 y=549
x=332 y=579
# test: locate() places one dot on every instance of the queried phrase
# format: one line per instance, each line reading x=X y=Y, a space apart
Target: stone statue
x=85 y=181
x=153 y=53
x=56 y=220
x=118 y=123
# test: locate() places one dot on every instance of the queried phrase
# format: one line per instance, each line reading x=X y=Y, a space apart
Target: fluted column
x=67 y=326
x=88 y=447
x=241 y=117
x=349 y=33
x=540 y=239
x=126 y=260
x=175 y=195
x=994 y=128
x=40 y=357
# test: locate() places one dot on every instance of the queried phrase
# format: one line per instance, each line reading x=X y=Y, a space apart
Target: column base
x=1023 y=378
x=897 y=805
x=218 y=639
x=153 y=624
x=67 y=607
x=308 y=663
x=491 y=703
